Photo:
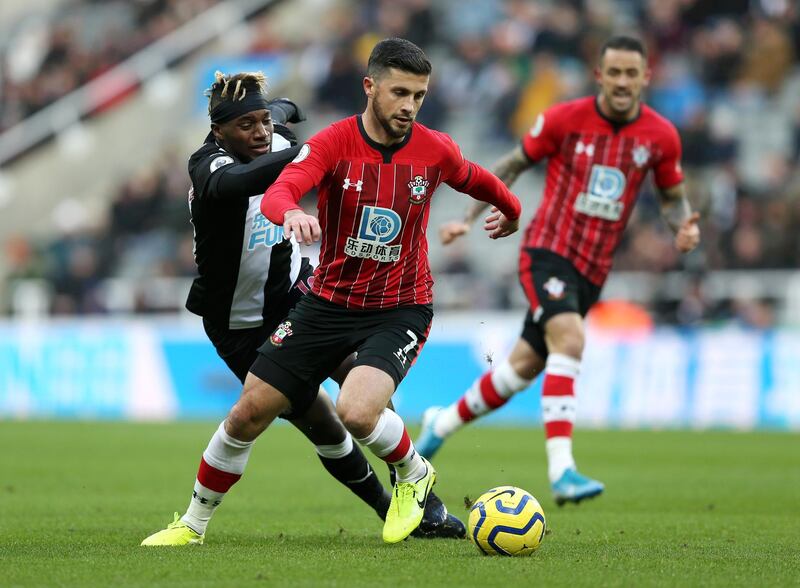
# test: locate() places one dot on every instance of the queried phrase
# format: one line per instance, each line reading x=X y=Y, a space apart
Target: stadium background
x=102 y=102
x=690 y=393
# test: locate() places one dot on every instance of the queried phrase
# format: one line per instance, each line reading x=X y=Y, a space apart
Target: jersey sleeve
x=315 y=160
x=542 y=140
x=667 y=171
x=456 y=170
x=218 y=176
x=470 y=178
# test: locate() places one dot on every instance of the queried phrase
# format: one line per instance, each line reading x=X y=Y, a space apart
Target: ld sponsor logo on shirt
x=601 y=199
x=378 y=227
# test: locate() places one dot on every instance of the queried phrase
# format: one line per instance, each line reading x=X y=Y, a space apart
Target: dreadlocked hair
x=235 y=87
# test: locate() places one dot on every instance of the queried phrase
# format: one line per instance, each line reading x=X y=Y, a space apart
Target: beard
x=386 y=121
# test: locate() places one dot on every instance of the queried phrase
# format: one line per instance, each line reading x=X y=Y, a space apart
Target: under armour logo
x=348 y=184
x=581 y=147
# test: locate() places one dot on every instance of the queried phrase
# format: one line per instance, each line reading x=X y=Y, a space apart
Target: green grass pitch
x=681 y=509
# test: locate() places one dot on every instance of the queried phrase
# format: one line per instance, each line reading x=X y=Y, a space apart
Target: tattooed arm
x=508 y=169
x=677 y=213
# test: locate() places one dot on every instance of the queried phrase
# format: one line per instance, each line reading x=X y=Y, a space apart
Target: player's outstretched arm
x=484 y=186
x=507 y=169
x=678 y=215
x=242 y=180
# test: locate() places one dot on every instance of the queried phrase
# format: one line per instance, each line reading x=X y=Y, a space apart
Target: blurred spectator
x=82 y=40
x=726 y=73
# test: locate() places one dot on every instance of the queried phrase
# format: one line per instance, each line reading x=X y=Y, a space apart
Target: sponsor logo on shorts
x=555 y=288
x=284 y=330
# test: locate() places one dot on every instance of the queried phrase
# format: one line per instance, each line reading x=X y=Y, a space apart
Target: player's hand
x=688 y=236
x=498 y=225
x=450 y=231
x=305 y=227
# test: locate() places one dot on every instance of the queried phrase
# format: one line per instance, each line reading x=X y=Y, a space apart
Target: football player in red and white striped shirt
x=599 y=151
x=376 y=174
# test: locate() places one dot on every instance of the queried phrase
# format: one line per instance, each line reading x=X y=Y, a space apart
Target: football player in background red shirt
x=599 y=150
x=372 y=290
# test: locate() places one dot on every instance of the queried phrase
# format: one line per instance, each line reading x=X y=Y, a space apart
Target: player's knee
x=357 y=419
x=572 y=344
x=246 y=421
x=240 y=422
x=567 y=339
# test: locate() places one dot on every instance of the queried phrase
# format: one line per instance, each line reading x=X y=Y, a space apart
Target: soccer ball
x=506 y=521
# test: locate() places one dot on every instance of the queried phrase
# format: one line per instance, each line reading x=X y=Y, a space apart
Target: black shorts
x=552 y=286
x=318 y=335
x=238 y=348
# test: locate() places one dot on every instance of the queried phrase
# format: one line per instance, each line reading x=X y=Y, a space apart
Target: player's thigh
x=302 y=351
x=392 y=340
x=564 y=333
x=525 y=360
x=364 y=394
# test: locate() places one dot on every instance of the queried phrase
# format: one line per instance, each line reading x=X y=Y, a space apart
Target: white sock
x=559 y=406
x=337 y=451
x=223 y=463
x=559 y=457
x=505 y=382
x=389 y=440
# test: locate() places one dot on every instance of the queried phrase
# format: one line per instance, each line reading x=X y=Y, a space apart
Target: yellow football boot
x=176 y=533
x=407 y=506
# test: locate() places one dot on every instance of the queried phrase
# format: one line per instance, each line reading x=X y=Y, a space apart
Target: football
x=506 y=521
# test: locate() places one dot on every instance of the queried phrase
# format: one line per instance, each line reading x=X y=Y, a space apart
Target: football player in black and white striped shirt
x=249 y=278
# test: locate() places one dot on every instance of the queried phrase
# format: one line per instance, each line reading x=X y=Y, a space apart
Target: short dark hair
x=624 y=42
x=234 y=87
x=398 y=54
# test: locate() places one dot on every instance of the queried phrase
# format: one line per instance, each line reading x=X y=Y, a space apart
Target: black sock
x=354 y=471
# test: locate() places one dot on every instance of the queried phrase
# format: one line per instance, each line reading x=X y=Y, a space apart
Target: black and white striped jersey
x=243 y=261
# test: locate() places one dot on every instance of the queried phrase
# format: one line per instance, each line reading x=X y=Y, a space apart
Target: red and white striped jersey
x=373 y=205
x=595 y=169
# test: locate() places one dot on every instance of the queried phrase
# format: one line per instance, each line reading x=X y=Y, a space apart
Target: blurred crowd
x=46 y=58
x=726 y=73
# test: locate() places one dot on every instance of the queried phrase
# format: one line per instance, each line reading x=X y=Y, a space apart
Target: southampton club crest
x=284 y=330
x=641 y=155
x=419 y=190
x=554 y=288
